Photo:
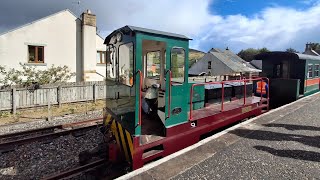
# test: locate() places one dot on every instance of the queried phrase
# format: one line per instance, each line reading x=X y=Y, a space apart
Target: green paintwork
x=198 y=98
x=179 y=93
x=308 y=90
x=311 y=89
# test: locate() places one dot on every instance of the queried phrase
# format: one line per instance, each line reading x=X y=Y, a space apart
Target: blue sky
x=238 y=24
x=251 y=7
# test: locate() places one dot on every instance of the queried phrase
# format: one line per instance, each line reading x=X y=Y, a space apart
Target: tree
x=315 y=46
x=248 y=54
x=291 y=50
x=30 y=75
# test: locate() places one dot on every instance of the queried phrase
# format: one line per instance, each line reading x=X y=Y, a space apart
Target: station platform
x=283 y=143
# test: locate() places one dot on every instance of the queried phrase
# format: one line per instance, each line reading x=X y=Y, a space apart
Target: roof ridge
x=35 y=21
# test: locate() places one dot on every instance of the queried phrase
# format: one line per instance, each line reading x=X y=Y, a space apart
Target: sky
x=236 y=24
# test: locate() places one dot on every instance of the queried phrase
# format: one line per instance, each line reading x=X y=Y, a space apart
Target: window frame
x=36 y=55
x=118 y=63
x=146 y=68
x=310 y=71
x=184 y=64
x=111 y=51
x=101 y=53
x=316 y=71
x=209 y=64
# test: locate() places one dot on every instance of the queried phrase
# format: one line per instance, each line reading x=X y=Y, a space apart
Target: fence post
x=49 y=103
x=59 y=91
x=14 y=101
x=86 y=98
x=94 y=89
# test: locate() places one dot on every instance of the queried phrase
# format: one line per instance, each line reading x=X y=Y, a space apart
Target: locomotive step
x=151 y=155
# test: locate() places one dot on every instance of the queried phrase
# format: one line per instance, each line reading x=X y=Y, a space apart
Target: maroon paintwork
x=184 y=135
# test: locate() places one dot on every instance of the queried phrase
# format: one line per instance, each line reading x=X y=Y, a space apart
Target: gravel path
x=38 y=159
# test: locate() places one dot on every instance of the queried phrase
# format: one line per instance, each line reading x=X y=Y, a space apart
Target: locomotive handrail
x=170 y=85
x=140 y=96
x=222 y=91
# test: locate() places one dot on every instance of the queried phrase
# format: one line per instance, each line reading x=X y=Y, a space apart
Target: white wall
x=100 y=68
x=60 y=34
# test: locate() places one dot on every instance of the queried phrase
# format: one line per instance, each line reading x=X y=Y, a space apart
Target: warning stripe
x=129 y=142
x=122 y=136
x=123 y=141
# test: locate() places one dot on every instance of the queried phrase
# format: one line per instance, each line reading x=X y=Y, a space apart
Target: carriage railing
x=222 y=91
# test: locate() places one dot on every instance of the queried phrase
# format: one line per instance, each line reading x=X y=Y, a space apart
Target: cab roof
x=145 y=31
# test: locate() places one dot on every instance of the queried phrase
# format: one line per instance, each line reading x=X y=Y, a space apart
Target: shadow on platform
x=293 y=127
x=295 y=154
x=262 y=135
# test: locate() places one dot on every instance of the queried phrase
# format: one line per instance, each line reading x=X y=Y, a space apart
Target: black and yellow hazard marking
x=122 y=136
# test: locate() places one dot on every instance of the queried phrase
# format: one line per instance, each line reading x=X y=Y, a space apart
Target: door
x=176 y=86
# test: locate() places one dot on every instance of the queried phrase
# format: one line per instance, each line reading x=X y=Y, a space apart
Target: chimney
x=89 y=33
x=308 y=47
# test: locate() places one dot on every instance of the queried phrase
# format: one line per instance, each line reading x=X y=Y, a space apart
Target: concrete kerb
x=204 y=141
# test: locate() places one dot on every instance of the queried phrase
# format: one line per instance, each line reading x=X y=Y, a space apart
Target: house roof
x=234 y=62
x=146 y=31
x=19 y=27
x=256 y=63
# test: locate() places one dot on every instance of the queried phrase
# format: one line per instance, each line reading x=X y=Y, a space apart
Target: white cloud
x=276 y=27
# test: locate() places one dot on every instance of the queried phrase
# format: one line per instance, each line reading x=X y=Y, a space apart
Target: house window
x=209 y=65
x=101 y=57
x=36 y=54
x=310 y=67
x=316 y=70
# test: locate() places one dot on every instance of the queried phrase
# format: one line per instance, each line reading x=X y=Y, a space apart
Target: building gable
x=66 y=11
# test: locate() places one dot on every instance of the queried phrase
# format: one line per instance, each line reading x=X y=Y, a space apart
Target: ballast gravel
x=40 y=159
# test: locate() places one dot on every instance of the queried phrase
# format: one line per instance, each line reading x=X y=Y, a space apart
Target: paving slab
x=281 y=144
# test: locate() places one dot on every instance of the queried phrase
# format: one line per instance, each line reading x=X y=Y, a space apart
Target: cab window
x=178 y=64
x=125 y=67
x=153 y=64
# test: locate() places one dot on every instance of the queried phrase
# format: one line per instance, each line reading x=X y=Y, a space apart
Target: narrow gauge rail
x=9 y=141
x=96 y=169
x=74 y=172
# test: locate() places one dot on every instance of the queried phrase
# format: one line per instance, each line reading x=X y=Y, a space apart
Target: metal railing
x=222 y=91
x=140 y=97
x=170 y=86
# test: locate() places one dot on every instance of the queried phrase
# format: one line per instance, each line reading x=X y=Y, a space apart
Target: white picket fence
x=18 y=98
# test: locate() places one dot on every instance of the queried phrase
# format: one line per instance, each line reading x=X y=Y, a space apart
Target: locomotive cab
x=146 y=67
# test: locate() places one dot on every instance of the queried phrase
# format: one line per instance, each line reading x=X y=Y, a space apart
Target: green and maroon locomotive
x=153 y=109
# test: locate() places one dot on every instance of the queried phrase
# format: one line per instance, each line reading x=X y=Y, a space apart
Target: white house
x=222 y=63
x=59 y=39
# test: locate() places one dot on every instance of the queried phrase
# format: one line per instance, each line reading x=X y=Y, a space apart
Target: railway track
x=77 y=171
x=10 y=141
x=97 y=169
